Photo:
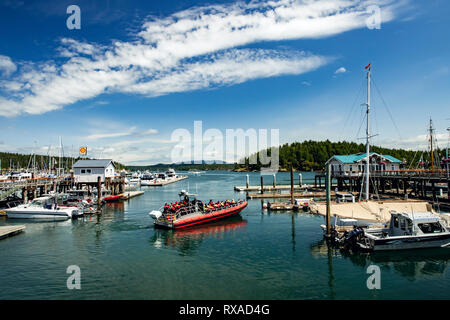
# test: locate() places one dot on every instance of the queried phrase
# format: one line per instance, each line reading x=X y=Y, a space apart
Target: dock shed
x=88 y=171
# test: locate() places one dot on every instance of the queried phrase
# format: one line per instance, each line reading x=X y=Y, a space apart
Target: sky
x=136 y=71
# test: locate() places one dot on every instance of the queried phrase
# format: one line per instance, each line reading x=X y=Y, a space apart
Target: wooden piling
x=262 y=185
x=99 y=194
x=328 y=192
x=292 y=185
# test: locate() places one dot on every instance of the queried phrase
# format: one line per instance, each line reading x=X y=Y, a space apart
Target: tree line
x=312 y=155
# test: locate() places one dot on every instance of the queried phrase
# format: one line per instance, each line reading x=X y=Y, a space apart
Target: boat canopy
x=418 y=217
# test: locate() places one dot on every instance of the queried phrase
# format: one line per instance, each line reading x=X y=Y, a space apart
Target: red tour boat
x=190 y=212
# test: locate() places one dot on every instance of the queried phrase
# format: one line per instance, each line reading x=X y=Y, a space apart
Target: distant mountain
x=205 y=165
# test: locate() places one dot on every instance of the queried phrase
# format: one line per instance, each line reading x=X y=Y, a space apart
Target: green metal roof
x=353 y=158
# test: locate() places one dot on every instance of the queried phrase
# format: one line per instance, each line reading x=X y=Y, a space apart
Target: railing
x=417 y=173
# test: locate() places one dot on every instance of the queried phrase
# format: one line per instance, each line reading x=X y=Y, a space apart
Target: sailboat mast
x=368 y=135
x=431 y=145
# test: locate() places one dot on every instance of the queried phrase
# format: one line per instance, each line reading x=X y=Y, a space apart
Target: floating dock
x=376 y=211
x=163 y=183
x=270 y=188
x=274 y=195
x=130 y=194
x=8 y=231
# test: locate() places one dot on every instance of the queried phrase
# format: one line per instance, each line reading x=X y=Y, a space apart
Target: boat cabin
x=418 y=223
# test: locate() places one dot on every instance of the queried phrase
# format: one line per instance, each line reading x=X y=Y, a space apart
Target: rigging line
x=387 y=108
x=362 y=122
x=351 y=109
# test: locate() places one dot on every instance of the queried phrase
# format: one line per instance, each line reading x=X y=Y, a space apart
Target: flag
x=368 y=66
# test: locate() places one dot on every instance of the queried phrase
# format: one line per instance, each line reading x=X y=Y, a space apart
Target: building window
x=83 y=171
x=88 y=170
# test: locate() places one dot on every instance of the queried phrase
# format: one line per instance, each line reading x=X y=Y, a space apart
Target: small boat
x=405 y=231
x=43 y=208
x=112 y=198
x=190 y=212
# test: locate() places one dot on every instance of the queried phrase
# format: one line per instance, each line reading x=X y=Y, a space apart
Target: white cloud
x=340 y=70
x=189 y=50
x=6 y=65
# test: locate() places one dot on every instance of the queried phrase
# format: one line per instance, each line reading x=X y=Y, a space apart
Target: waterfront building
x=355 y=164
x=88 y=171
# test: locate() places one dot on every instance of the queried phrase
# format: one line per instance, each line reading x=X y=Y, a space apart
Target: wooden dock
x=8 y=231
x=131 y=194
x=163 y=183
x=274 y=195
x=270 y=188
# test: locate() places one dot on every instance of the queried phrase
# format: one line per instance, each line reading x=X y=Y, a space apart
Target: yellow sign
x=83 y=150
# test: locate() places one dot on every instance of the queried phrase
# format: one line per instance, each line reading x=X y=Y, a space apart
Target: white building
x=88 y=171
x=355 y=164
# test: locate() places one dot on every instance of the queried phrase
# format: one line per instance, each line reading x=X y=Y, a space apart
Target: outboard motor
x=352 y=237
x=155 y=214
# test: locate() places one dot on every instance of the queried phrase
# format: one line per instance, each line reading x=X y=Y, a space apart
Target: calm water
x=253 y=256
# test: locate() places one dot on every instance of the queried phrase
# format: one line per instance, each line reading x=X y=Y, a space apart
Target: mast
x=431 y=144
x=368 y=134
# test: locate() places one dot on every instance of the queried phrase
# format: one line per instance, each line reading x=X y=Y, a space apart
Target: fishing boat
x=405 y=231
x=189 y=212
x=43 y=208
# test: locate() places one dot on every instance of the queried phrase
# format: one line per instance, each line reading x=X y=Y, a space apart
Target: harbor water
x=256 y=255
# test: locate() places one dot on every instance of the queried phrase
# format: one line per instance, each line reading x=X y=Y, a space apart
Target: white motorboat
x=406 y=231
x=147 y=179
x=43 y=208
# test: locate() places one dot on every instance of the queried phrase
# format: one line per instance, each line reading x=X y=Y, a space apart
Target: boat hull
x=204 y=218
x=406 y=243
x=41 y=215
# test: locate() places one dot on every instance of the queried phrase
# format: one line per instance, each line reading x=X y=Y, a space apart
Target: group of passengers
x=185 y=205
x=211 y=206
x=174 y=207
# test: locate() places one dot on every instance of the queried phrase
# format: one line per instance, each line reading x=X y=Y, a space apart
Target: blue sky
x=138 y=70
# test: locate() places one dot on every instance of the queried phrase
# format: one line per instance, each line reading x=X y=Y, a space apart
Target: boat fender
x=155 y=214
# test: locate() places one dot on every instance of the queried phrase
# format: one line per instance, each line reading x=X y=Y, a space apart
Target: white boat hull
x=40 y=214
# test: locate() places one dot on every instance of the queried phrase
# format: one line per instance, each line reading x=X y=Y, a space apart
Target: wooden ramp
x=7 y=231
x=131 y=194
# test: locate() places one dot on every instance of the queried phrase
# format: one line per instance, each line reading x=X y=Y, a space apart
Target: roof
x=420 y=216
x=100 y=163
x=354 y=158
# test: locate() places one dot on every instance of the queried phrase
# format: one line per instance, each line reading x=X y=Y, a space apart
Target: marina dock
x=8 y=231
x=270 y=188
x=274 y=195
x=131 y=194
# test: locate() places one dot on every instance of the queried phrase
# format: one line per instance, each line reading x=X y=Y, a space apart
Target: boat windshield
x=432 y=227
x=37 y=203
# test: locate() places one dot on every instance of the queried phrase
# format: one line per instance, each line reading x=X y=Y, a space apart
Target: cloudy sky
x=138 y=70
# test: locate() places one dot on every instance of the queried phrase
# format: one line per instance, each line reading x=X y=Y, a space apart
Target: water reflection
x=411 y=264
x=188 y=240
